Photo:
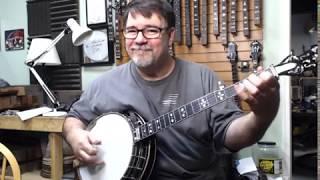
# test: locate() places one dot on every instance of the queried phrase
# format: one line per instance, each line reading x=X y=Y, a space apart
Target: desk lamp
x=43 y=51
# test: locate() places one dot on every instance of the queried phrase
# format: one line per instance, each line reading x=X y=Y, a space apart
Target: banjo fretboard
x=185 y=111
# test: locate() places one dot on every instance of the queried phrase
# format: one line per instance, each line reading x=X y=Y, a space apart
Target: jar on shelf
x=268 y=158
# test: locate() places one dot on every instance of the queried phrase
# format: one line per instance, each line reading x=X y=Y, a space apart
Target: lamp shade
x=39 y=46
x=79 y=34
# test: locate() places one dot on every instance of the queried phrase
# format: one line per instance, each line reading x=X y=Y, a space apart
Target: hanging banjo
x=128 y=147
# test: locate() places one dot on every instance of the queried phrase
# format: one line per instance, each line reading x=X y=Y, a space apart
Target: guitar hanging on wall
x=128 y=147
x=255 y=55
x=233 y=58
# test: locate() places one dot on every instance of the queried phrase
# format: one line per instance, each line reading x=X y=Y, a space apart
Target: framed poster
x=14 y=39
x=96 y=13
x=97 y=50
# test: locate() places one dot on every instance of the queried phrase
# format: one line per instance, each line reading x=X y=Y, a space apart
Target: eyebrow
x=133 y=27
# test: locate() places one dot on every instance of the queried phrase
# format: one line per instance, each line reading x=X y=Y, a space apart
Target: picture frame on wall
x=97 y=50
x=14 y=39
x=96 y=13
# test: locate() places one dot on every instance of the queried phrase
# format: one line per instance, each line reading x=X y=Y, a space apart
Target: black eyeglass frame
x=143 y=32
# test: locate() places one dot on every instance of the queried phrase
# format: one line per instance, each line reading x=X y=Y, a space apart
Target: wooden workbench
x=52 y=125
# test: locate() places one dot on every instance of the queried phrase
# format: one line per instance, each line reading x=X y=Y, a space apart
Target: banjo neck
x=194 y=107
x=291 y=65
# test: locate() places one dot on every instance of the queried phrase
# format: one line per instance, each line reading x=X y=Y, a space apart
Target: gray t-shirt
x=188 y=149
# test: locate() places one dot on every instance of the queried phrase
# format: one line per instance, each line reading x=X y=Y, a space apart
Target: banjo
x=128 y=148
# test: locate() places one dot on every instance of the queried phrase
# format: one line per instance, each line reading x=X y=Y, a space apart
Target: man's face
x=143 y=51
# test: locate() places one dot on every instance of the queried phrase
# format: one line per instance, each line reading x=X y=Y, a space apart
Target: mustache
x=143 y=48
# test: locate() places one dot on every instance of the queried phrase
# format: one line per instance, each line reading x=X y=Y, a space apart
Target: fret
x=162 y=122
x=233 y=16
x=220 y=95
x=177 y=12
x=203 y=103
x=150 y=127
x=177 y=115
x=224 y=30
x=188 y=23
x=211 y=99
x=257 y=12
x=204 y=23
x=167 y=120
x=171 y=118
x=189 y=109
x=230 y=91
x=196 y=19
x=195 y=106
x=216 y=17
x=183 y=112
x=110 y=21
x=245 y=9
x=158 y=124
x=143 y=130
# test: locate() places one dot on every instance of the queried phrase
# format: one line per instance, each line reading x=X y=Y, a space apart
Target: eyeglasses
x=148 y=32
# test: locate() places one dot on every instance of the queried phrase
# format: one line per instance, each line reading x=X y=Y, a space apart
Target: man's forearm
x=71 y=124
x=245 y=131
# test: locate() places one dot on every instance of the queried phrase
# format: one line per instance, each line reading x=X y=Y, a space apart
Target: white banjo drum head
x=116 y=148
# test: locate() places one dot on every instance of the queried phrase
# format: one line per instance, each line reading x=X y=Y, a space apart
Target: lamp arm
x=52 y=98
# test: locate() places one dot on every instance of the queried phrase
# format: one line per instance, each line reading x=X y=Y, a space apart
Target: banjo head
x=123 y=158
x=116 y=148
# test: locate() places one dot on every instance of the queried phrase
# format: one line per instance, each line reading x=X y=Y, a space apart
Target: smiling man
x=154 y=83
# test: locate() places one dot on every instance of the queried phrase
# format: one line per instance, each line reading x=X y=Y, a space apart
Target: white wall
x=13 y=15
x=276 y=46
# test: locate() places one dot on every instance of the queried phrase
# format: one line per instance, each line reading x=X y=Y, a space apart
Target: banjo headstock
x=307 y=61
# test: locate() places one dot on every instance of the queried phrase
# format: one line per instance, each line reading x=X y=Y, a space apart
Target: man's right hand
x=85 y=148
x=83 y=143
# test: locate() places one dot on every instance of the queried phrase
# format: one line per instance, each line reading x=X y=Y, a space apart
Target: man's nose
x=140 y=38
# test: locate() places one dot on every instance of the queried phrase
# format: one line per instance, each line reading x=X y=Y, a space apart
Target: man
x=154 y=83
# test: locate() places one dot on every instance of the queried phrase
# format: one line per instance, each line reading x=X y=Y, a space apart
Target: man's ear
x=172 y=34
